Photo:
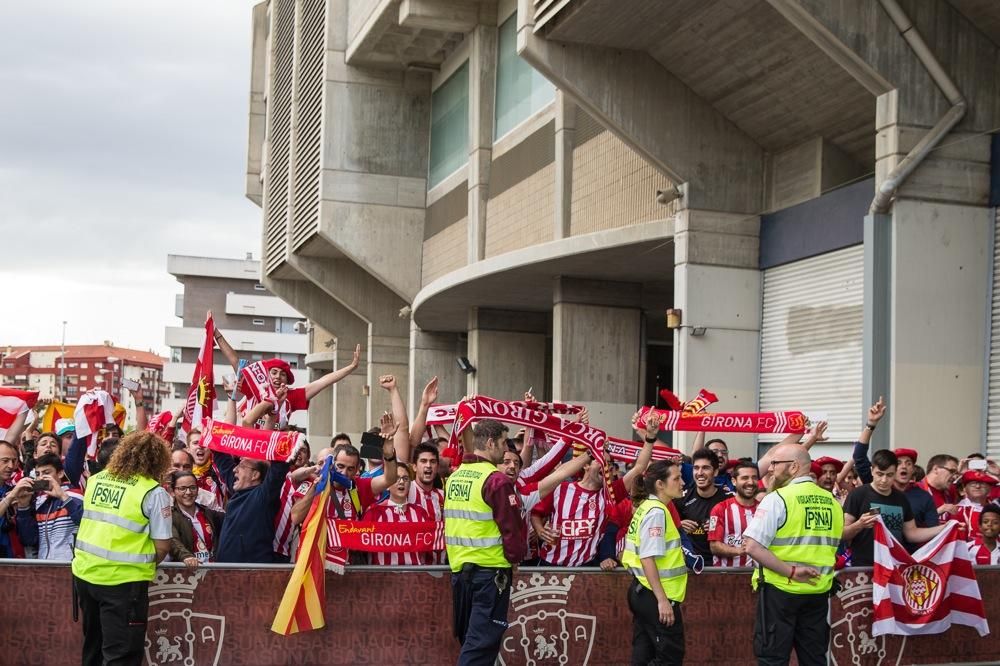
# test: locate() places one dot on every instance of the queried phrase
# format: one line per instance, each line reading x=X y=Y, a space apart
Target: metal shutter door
x=993 y=406
x=811 y=339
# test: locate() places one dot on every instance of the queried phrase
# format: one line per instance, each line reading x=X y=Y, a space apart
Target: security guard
x=485 y=538
x=793 y=537
x=653 y=555
x=124 y=533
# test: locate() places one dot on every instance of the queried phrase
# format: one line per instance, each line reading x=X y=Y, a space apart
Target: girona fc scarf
x=762 y=422
x=272 y=445
x=201 y=396
x=927 y=592
x=626 y=451
x=482 y=407
x=445 y=414
x=374 y=537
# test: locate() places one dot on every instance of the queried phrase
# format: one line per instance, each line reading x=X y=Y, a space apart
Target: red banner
x=236 y=440
x=624 y=450
x=374 y=537
x=761 y=422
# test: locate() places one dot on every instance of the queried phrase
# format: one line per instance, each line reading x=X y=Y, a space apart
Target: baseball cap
x=976 y=475
x=64 y=426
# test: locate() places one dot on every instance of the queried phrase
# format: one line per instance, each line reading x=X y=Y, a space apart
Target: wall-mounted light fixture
x=465 y=365
x=674 y=318
x=698 y=331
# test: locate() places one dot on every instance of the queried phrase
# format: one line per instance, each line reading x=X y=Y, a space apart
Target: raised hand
x=430 y=394
x=388 y=382
x=876 y=411
x=387 y=427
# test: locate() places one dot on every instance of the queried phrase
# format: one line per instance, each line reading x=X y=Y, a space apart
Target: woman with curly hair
x=125 y=532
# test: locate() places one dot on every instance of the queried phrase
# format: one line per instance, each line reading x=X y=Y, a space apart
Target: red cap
x=281 y=365
x=816 y=469
x=827 y=460
x=909 y=453
x=976 y=475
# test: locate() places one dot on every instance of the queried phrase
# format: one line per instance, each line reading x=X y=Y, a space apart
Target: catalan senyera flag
x=55 y=411
x=303 y=606
x=201 y=396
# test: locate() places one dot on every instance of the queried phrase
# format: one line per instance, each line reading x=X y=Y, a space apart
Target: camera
x=41 y=485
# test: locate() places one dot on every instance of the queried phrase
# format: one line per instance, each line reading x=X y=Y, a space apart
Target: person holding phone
x=49 y=514
x=881 y=497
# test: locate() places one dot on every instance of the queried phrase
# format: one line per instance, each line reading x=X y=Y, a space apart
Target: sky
x=123 y=136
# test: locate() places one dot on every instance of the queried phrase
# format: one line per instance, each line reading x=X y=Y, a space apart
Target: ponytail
x=645 y=483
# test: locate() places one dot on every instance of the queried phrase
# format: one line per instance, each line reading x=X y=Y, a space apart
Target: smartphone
x=130 y=384
x=371 y=446
x=875 y=510
x=977 y=463
x=41 y=485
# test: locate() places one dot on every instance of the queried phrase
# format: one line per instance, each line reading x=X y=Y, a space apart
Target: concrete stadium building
x=531 y=185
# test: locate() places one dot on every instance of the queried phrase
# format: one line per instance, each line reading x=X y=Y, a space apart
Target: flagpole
x=62 y=366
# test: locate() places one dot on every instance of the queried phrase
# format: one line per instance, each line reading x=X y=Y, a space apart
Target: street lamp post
x=113 y=360
x=62 y=366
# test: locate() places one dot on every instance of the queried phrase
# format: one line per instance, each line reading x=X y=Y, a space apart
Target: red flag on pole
x=201 y=396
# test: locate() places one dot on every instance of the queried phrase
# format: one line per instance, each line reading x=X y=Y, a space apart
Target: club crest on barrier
x=175 y=635
x=851 y=639
x=543 y=632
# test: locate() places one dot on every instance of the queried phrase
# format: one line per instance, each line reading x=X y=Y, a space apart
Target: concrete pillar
x=482 y=91
x=350 y=395
x=320 y=415
x=507 y=349
x=435 y=355
x=565 y=138
x=717 y=285
x=390 y=356
x=596 y=349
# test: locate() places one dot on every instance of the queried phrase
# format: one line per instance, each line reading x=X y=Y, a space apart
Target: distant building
x=39 y=368
x=257 y=324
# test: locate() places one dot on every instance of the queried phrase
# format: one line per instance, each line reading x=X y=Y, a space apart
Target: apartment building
x=65 y=373
x=257 y=324
x=531 y=185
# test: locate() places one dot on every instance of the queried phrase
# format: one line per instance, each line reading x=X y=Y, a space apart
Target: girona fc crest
x=544 y=632
x=175 y=635
x=921 y=588
x=851 y=640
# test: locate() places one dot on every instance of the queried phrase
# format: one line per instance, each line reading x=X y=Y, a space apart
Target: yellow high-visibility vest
x=470 y=532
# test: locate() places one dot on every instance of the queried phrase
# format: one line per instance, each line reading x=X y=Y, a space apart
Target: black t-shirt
x=699 y=509
x=895 y=509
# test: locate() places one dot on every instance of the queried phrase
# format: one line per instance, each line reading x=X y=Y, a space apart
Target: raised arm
x=653 y=420
x=566 y=470
x=419 y=423
x=860 y=454
x=312 y=388
x=17 y=427
x=226 y=348
x=387 y=431
x=401 y=438
x=765 y=461
x=140 y=409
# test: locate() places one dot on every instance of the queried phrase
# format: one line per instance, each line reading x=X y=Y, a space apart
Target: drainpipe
x=886 y=191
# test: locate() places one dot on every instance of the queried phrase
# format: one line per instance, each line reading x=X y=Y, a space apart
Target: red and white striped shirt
x=387 y=511
x=726 y=524
x=283 y=528
x=982 y=555
x=968 y=514
x=432 y=502
x=578 y=516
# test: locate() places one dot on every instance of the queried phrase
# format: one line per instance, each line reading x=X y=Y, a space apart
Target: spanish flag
x=303 y=606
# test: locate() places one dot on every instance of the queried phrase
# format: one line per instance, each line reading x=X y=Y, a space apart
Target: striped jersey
x=968 y=515
x=579 y=516
x=387 y=511
x=58 y=522
x=432 y=502
x=283 y=528
x=726 y=524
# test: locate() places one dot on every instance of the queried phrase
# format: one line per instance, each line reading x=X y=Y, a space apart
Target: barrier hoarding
x=222 y=615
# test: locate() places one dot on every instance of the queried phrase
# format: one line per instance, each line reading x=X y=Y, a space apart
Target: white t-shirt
x=157 y=506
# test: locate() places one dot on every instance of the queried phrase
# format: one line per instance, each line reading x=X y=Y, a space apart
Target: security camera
x=664 y=197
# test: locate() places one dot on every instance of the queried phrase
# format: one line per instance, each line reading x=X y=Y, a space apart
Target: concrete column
x=482 y=91
x=349 y=399
x=507 y=349
x=390 y=356
x=320 y=415
x=596 y=349
x=435 y=355
x=717 y=285
x=565 y=138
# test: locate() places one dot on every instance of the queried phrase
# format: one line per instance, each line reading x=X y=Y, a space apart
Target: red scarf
x=273 y=445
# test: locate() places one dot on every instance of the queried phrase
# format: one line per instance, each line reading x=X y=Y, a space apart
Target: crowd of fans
x=249 y=511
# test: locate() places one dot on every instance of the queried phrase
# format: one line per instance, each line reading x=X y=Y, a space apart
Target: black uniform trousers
x=654 y=643
x=786 y=620
x=480 y=599
x=114 y=622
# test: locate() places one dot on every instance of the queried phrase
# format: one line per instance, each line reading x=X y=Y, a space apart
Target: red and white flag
x=927 y=592
x=12 y=403
x=95 y=410
x=201 y=396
